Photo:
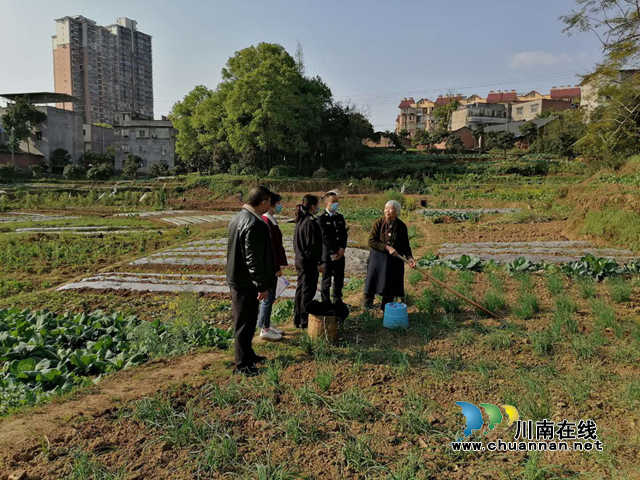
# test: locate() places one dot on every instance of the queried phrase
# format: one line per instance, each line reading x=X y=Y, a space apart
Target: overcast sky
x=370 y=52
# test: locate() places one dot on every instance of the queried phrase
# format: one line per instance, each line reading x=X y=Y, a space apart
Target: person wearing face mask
x=307 y=244
x=389 y=238
x=267 y=332
x=251 y=273
x=334 y=244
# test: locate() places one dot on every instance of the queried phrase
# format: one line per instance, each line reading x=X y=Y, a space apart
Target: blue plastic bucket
x=395 y=316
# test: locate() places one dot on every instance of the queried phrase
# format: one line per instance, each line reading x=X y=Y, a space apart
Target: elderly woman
x=388 y=240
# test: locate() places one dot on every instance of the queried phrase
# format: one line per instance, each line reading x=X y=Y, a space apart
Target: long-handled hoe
x=450 y=290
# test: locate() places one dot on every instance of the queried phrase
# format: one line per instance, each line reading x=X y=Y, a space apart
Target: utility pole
x=13 y=141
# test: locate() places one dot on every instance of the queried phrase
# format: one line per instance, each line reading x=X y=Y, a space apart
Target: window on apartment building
x=164 y=151
x=519 y=110
x=142 y=134
x=534 y=108
x=38 y=135
x=125 y=148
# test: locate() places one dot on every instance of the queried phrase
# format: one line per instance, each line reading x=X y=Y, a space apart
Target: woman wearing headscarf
x=307 y=244
x=388 y=240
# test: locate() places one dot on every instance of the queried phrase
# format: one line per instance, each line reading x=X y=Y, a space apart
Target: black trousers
x=244 y=304
x=333 y=270
x=370 y=297
x=306 y=289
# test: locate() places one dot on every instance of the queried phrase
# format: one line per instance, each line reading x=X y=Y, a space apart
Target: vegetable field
x=132 y=383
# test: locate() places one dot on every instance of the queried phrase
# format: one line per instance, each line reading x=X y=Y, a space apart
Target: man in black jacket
x=334 y=244
x=251 y=272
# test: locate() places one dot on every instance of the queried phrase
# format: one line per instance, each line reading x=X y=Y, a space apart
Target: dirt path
x=112 y=391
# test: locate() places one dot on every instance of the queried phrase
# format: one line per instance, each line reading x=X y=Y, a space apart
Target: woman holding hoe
x=388 y=241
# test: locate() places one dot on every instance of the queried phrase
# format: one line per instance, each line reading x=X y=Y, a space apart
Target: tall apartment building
x=109 y=68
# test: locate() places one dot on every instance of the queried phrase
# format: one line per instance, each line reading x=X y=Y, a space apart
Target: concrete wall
x=61 y=129
x=529 y=110
x=21 y=160
x=97 y=139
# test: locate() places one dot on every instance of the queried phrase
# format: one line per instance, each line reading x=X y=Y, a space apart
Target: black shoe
x=259 y=359
x=247 y=371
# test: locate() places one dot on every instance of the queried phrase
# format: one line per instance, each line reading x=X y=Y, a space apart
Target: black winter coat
x=250 y=262
x=307 y=241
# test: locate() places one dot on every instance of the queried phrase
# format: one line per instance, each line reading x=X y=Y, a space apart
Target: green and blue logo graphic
x=475 y=420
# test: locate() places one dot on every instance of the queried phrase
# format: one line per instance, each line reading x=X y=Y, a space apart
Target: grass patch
x=586 y=288
x=526 y=306
x=605 y=316
x=85 y=467
x=555 y=284
x=620 y=289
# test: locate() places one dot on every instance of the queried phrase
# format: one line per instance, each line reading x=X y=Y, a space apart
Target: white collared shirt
x=331 y=214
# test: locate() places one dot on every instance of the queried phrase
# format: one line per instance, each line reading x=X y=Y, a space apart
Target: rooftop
x=496 y=97
x=514 y=127
x=35 y=98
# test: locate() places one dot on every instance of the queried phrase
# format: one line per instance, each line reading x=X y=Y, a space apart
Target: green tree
x=18 y=121
x=7 y=173
x=186 y=117
x=442 y=114
x=73 y=172
x=561 y=136
x=616 y=24
x=159 y=169
x=38 y=171
x=529 y=130
x=131 y=165
x=422 y=137
x=454 y=144
x=100 y=172
x=502 y=140
x=613 y=130
x=264 y=113
x=59 y=159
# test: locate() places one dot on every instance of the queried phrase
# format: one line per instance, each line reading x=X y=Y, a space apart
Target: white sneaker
x=270 y=336
x=276 y=330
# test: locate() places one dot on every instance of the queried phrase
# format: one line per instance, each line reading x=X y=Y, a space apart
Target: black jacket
x=307 y=241
x=250 y=262
x=334 y=234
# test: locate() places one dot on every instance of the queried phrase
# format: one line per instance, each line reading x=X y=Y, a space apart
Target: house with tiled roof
x=566 y=93
x=504 y=97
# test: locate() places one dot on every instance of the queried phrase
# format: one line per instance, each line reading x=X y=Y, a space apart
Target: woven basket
x=323 y=327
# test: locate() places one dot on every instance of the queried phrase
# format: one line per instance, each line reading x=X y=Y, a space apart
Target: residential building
x=530 y=110
x=591 y=97
x=416 y=116
x=476 y=115
x=152 y=140
x=97 y=138
x=567 y=93
x=61 y=129
x=109 y=68
x=407 y=119
x=502 y=97
x=513 y=127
